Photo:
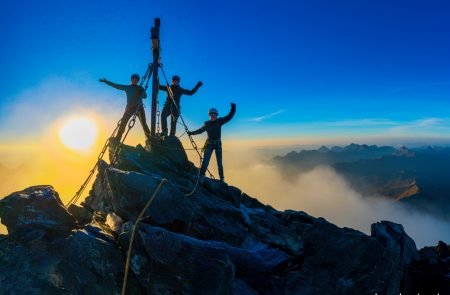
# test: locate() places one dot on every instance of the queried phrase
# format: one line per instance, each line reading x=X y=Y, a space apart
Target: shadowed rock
x=35 y=211
x=392 y=236
x=217 y=241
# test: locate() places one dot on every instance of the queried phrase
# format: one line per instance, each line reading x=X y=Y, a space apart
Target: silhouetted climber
x=169 y=108
x=214 y=143
x=135 y=94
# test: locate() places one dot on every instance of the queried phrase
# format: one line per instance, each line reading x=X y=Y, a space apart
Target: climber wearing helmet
x=174 y=109
x=135 y=93
x=213 y=128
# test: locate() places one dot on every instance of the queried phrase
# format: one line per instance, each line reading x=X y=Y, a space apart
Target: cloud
x=361 y=123
x=323 y=192
x=262 y=118
x=425 y=125
x=430 y=122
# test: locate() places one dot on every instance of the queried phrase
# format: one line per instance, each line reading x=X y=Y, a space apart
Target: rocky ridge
x=218 y=241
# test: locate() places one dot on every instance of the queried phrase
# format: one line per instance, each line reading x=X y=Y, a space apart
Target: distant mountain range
x=418 y=177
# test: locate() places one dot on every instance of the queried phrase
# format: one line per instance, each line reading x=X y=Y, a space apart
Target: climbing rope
x=78 y=194
x=191 y=139
x=196 y=183
x=138 y=220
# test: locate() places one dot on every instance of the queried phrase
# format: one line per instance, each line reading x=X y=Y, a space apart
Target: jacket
x=214 y=128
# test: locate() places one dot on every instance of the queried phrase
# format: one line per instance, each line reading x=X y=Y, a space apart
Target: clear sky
x=296 y=69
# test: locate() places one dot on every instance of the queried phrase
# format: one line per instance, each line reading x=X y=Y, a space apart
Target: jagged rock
x=211 y=214
x=81 y=214
x=431 y=273
x=342 y=261
x=209 y=265
x=181 y=264
x=172 y=149
x=126 y=194
x=392 y=236
x=216 y=241
x=34 y=212
x=88 y=261
x=166 y=157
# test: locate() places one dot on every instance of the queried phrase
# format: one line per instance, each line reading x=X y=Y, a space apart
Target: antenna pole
x=155 y=67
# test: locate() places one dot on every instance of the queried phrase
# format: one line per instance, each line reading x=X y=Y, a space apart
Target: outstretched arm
x=117 y=86
x=162 y=87
x=194 y=90
x=198 y=131
x=230 y=115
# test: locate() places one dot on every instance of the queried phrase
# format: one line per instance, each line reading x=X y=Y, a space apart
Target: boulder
x=88 y=261
x=202 y=265
x=35 y=211
x=169 y=263
x=392 y=236
x=342 y=261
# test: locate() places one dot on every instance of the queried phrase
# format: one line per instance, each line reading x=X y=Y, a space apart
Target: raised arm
x=117 y=86
x=198 y=131
x=194 y=90
x=230 y=115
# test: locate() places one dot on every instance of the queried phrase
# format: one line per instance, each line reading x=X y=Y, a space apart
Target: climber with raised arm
x=135 y=93
x=213 y=128
x=172 y=108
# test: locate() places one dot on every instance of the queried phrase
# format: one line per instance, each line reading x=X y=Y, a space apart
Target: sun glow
x=78 y=134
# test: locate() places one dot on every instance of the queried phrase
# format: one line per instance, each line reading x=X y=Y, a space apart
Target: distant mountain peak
x=405 y=152
x=323 y=149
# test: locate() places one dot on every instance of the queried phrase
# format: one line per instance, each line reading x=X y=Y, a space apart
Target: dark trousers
x=210 y=147
x=166 y=112
x=129 y=111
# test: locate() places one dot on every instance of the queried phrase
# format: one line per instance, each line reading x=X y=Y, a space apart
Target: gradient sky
x=295 y=68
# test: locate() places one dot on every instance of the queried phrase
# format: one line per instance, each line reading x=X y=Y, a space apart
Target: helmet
x=176 y=78
x=213 y=111
x=135 y=76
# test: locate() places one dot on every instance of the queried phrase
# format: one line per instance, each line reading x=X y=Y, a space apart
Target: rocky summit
x=216 y=241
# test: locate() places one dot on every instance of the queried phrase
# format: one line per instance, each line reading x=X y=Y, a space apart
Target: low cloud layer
x=322 y=192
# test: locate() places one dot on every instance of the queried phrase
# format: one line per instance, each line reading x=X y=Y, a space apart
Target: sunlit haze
x=78 y=133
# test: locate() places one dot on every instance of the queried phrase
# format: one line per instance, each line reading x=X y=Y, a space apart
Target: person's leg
x=206 y=158
x=219 y=160
x=124 y=121
x=142 y=119
x=173 y=124
x=164 y=114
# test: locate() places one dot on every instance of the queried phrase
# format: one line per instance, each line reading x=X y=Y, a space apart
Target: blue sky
x=295 y=68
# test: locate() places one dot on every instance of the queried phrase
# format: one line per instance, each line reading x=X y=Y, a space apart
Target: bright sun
x=78 y=133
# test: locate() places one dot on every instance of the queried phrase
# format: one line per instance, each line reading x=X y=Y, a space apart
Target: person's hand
x=199 y=83
x=233 y=104
x=189 y=133
x=103 y=80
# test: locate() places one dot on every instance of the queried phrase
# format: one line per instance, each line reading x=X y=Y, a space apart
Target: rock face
x=37 y=207
x=393 y=237
x=217 y=241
